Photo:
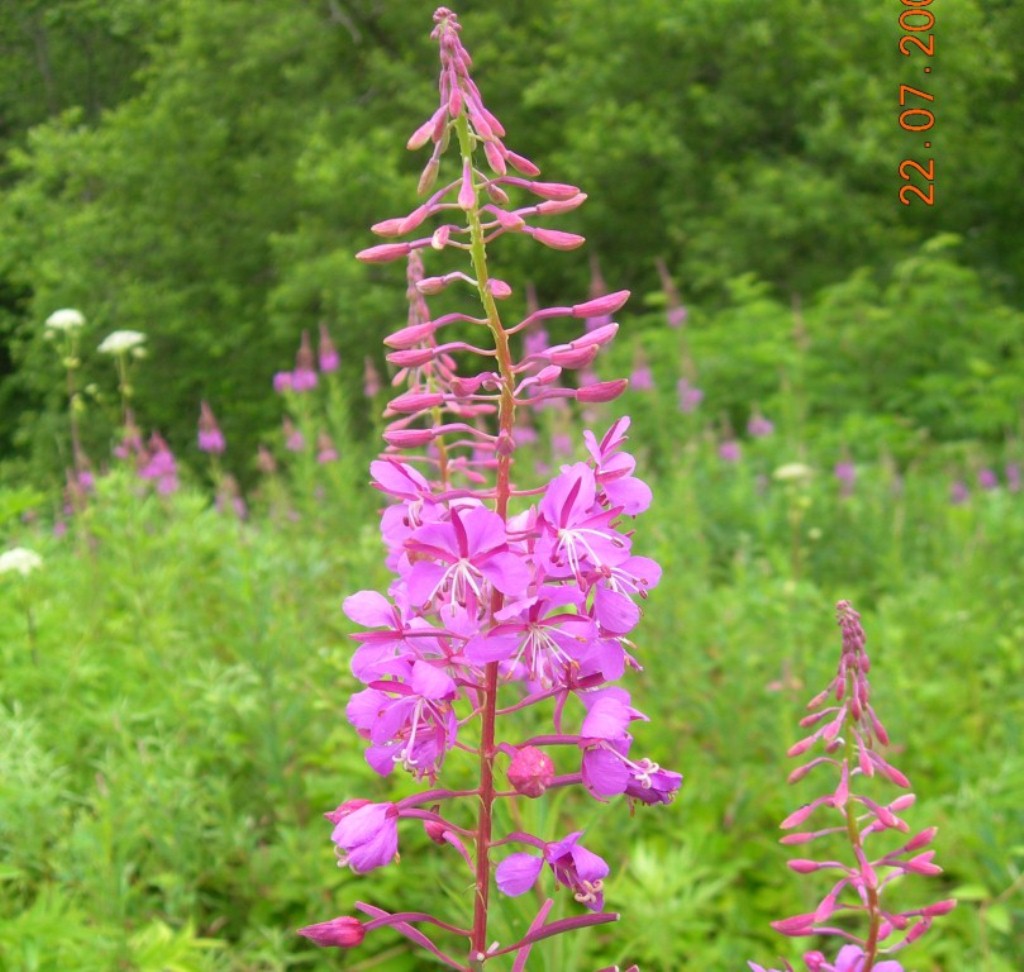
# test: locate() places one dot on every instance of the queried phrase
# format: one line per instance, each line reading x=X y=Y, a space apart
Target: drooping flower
x=573 y=866
x=366 y=834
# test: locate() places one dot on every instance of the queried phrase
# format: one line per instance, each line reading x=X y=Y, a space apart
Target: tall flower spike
x=503 y=596
x=850 y=735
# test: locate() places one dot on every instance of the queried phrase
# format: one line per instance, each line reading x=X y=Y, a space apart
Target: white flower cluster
x=20 y=559
x=121 y=342
x=66 y=319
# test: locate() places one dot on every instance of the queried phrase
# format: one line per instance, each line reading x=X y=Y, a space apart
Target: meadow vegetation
x=826 y=403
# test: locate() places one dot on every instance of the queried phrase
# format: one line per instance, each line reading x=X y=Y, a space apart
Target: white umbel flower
x=121 y=342
x=20 y=559
x=792 y=472
x=65 y=319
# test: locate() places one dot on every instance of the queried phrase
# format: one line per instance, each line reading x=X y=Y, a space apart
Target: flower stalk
x=504 y=596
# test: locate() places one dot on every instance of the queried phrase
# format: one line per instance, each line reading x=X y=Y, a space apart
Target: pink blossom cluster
x=851 y=737
x=503 y=596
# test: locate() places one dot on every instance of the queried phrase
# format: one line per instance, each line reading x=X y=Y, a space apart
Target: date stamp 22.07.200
x=917 y=114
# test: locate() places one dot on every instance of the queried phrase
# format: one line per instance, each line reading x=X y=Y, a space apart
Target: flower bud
x=599 y=306
x=556 y=239
x=531 y=771
x=336 y=933
x=603 y=391
x=383 y=253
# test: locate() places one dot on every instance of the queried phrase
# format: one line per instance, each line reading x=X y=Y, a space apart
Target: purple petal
x=518 y=873
x=507 y=573
x=604 y=773
x=615 y=611
x=370 y=609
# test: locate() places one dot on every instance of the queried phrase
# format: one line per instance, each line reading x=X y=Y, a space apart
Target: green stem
x=853 y=832
x=488 y=706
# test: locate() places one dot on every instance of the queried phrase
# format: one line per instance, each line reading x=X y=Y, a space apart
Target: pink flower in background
x=675 y=312
x=327 y=354
x=959 y=493
x=1012 y=472
x=846 y=472
x=371 y=379
x=304 y=377
x=851 y=741
x=294 y=440
x=229 y=497
x=131 y=439
x=690 y=396
x=641 y=378
x=759 y=427
x=283 y=382
x=729 y=451
x=265 y=461
x=211 y=439
x=325 y=451
x=160 y=466
x=987 y=479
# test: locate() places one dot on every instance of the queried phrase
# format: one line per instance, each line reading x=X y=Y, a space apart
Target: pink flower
x=463 y=559
x=690 y=397
x=160 y=466
x=366 y=834
x=729 y=451
x=572 y=864
x=304 y=377
x=294 y=440
x=759 y=427
x=327 y=354
x=211 y=439
x=325 y=451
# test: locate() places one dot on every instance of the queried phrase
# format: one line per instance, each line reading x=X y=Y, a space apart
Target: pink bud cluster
x=503 y=596
x=851 y=735
x=304 y=376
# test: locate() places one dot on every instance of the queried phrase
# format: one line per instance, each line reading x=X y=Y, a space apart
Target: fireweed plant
x=851 y=734
x=503 y=597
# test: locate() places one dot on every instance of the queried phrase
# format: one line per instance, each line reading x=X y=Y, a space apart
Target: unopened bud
x=599 y=306
x=602 y=391
x=384 y=253
x=336 y=933
x=531 y=771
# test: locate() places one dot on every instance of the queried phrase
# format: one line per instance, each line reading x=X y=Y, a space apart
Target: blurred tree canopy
x=203 y=172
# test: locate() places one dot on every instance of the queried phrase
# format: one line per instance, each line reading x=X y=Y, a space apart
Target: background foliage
x=203 y=172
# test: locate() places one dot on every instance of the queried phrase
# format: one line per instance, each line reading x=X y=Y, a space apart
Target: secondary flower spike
x=502 y=595
x=850 y=738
